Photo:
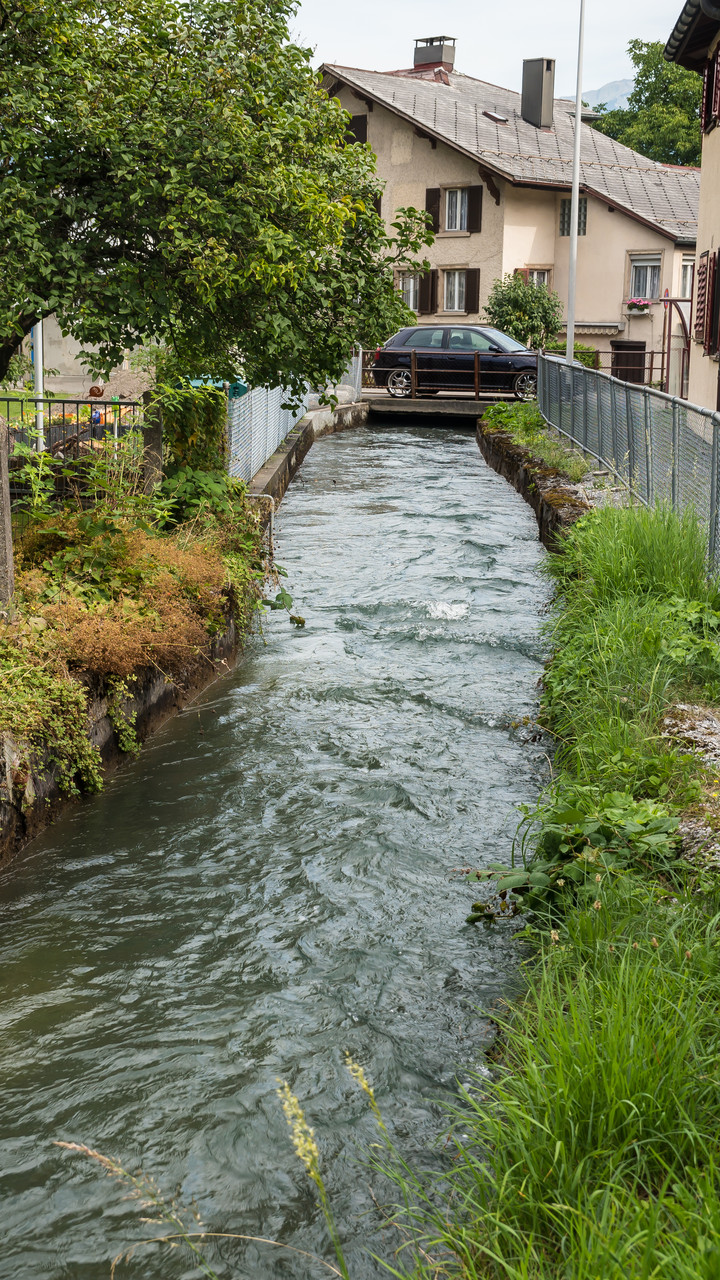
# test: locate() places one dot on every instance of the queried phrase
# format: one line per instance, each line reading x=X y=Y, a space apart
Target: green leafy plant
x=582 y=353
x=194 y=491
x=568 y=848
x=122 y=719
x=528 y=312
x=194 y=423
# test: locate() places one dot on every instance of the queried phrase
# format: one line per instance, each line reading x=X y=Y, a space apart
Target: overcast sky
x=492 y=38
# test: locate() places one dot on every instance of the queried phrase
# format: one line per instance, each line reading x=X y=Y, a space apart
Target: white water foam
x=441 y=609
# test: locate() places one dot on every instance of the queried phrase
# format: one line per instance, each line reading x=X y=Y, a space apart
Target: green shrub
x=585 y=355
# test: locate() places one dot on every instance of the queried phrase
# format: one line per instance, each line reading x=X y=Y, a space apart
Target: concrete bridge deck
x=382 y=405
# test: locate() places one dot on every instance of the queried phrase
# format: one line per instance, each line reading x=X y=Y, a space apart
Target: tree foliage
x=173 y=173
x=662 y=118
x=528 y=312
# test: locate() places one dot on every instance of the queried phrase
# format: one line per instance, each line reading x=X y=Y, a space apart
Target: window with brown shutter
x=432 y=206
x=523 y=272
x=710 y=108
x=474 y=219
x=427 y=299
x=710 y=340
x=714 y=309
x=715 y=114
x=472 y=291
x=707 y=95
x=701 y=297
x=357 y=129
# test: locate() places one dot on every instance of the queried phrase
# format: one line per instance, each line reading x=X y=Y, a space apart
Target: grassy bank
x=592 y=1151
x=526 y=427
x=111 y=582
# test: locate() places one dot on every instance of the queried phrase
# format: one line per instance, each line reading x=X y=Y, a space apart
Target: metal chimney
x=538 y=91
x=435 y=51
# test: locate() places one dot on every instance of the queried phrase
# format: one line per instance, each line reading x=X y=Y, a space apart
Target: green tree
x=528 y=312
x=662 y=118
x=173 y=173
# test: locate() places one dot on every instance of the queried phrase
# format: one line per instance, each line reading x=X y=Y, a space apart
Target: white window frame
x=687 y=273
x=409 y=285
x=649 y=263
x=454 y=285
x=456 y=209
x=533 y=272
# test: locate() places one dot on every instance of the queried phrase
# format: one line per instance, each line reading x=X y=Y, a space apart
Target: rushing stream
x=272 y=883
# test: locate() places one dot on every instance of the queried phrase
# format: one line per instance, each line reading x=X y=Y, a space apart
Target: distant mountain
x=614 y=94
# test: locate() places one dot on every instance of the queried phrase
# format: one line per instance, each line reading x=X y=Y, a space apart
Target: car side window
x=468 y=340
x=424 y=338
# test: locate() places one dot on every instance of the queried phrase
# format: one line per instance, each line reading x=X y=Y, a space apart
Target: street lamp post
x=575 y=201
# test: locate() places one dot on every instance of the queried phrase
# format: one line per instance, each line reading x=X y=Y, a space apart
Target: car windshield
x=505 y=342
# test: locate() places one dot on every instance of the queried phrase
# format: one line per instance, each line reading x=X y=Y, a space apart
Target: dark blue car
x=448 y=357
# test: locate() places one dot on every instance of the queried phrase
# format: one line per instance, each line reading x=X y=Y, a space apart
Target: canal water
x=276 y=881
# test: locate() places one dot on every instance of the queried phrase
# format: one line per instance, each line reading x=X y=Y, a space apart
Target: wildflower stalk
x=306 y=1149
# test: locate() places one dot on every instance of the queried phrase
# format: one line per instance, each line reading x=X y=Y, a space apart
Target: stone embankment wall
x=32 y=798
x=556 y=501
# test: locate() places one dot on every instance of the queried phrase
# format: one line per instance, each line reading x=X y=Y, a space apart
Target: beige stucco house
x=695 y=43
x=493 y=167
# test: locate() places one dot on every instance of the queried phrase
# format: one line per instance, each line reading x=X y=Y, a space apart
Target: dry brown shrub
x=113 y=640
x=106 y=640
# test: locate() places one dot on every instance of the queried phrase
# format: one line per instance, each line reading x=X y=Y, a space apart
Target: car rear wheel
x=399 y=382
x=525 y=385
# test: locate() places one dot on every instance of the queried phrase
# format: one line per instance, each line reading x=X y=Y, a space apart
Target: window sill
x=452 y=235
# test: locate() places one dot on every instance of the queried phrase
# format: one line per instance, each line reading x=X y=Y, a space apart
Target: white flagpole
x=575 y=201
x=38 y=361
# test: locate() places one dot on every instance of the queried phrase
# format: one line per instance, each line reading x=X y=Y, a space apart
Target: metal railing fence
x=67 y=427
x=663 y=448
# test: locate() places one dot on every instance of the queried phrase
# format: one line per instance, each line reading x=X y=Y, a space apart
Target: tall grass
x=594 y=1151
x=634 y=629
x=616 y=552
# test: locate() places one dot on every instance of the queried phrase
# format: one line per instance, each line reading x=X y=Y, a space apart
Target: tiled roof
x=661 y=195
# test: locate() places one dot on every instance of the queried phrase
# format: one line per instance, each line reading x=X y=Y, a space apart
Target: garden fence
x=258 y=424
x=65 y=427
x=663 y=448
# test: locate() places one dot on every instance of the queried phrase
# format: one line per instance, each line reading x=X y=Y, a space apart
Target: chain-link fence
x=662 y=447
x=258 y=424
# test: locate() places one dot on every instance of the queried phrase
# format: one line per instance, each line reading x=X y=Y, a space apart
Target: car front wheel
x=399 y=382
x=525 y=385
